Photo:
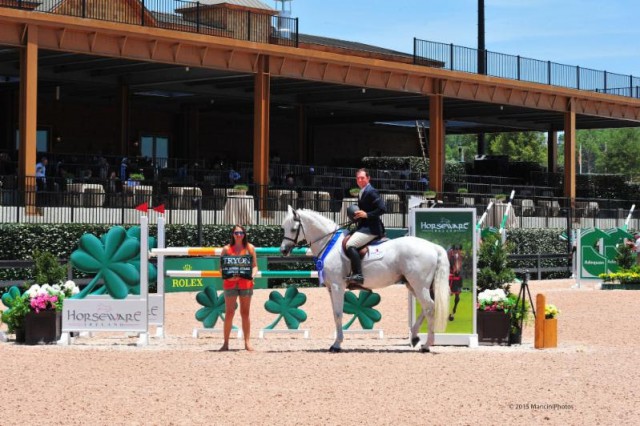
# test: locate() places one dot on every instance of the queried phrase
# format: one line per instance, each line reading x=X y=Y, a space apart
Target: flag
x=159 y=209
x=143 y=207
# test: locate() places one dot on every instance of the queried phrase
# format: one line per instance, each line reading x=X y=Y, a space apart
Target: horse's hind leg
x=415 y=327
x=427 y=305
x=337 y=302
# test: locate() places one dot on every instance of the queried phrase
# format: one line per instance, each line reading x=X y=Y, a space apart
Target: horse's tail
x=441 y=290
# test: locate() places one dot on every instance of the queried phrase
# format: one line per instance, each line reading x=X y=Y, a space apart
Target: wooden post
x=539 y=337
x=436 y=143
x=261 y=117
x=28 y=118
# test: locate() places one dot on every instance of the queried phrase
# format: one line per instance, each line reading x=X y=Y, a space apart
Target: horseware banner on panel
x=454 y=230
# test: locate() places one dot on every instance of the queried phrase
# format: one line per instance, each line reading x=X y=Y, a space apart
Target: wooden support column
x=570 y=153
x=552 y=151
x=436 y=143
x=261 y=117
x=28 y=116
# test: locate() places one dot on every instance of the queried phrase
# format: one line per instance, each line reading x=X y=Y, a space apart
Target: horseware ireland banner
x=454 y=230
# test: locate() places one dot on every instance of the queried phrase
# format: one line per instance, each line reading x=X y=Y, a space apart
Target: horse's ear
x=291 y=211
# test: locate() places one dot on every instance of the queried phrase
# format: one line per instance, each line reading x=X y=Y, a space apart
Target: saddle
x=362 y=251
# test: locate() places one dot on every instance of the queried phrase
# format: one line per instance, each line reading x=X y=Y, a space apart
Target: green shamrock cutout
x=213 y=307
x=10 y=297
x=287 y=307
x=110 y=258
x=361 y=307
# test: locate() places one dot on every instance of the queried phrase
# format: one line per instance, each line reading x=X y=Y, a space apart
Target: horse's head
x=292 y=228
x=455 y=260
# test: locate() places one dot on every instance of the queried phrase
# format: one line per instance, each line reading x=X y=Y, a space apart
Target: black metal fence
x=53 y=200
x=178 y=15
x=459 y=58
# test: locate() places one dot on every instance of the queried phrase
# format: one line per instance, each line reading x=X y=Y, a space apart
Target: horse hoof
x=425 y=350
x=334 y=350
x=450 y=317
x=415 y=341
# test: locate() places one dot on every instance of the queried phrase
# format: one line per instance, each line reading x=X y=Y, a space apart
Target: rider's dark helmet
x=351 y=212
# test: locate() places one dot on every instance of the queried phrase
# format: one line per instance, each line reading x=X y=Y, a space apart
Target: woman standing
x=237 y=286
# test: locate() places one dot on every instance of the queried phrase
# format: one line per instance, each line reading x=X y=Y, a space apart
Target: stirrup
x=355 y=279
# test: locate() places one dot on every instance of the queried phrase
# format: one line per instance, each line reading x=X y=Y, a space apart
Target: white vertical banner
x=455 y=231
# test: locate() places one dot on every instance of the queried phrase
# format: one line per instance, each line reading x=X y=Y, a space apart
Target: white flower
x=497 y=295
x=70 y=288
x=33 y=291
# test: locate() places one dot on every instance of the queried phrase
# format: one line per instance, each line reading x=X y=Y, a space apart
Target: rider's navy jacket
x=369 y=200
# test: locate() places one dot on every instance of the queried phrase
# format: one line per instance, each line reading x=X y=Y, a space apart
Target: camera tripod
x=522 y=295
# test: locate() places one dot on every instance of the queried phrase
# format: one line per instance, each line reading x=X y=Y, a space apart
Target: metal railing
x=177 y=15
x=459 y=58
x=53 y=201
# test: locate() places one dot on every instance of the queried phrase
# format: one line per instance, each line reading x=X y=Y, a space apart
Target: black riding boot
x=356 y=266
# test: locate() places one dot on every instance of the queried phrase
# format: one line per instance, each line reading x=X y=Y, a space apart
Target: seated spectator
x=290 y=181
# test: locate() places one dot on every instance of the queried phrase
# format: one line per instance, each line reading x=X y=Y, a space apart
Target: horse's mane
x=320 y=220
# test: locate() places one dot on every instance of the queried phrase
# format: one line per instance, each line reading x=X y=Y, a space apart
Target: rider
x=371 y=207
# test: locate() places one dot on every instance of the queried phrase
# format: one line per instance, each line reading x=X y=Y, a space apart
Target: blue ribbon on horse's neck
x=323 y=254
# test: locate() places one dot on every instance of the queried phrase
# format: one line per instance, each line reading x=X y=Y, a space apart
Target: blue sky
x=602 y=35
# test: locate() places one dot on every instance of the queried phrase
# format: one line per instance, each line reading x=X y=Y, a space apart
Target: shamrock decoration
x=361 y=307
x=287 y=307
x=112 y=259
x=10 y=297
x=213 y=307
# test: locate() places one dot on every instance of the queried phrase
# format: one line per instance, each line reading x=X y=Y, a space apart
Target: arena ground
x=591 y=378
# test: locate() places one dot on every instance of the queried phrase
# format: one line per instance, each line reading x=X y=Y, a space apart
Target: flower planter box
x=20 y=335
x=493 y=327
x=550 y=337
x=43 y=327
x=610 y=286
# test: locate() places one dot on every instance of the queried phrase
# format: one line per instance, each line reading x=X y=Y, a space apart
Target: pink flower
x=43 y=302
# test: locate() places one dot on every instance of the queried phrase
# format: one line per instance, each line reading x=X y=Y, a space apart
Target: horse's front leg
x=337 y=302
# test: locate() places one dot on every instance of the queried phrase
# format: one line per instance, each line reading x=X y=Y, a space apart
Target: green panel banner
x=175 y=285
x=598 y=250
x=452 y=229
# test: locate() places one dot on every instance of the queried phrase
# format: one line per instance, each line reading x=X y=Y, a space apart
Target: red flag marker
x=144 y=207
x=159 y=209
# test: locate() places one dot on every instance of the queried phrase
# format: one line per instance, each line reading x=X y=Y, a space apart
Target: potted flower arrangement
x=429 y=195
x=239 y=189
x=354 y=192
x=622 y=280
x=495 y=303
x=493 y=316
x=500 y=197
x=34 y=316
x=135 y=179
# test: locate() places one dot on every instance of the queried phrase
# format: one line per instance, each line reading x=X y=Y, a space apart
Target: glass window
x=156 y=148
x=42 y=140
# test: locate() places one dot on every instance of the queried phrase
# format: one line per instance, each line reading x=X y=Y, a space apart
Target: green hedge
x=415 y=164
x=18 y=242
x=534 y=241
